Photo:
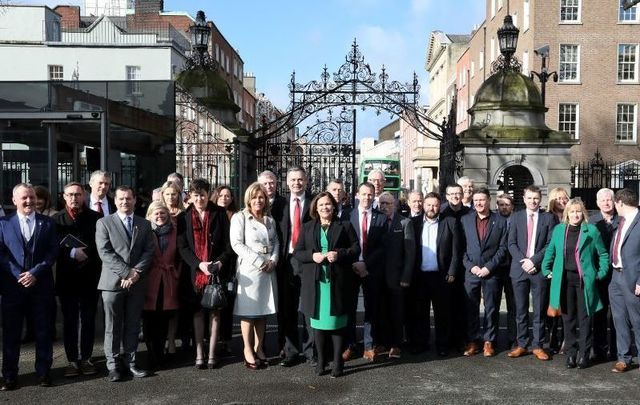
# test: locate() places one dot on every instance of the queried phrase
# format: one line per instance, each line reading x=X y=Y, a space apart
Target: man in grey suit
x=125 y=244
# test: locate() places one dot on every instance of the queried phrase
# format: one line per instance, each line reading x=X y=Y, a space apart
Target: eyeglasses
x=71 y=195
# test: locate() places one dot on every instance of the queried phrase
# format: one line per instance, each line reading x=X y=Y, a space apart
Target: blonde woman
x=558 y=198
x=575 y=259
x=171 y=196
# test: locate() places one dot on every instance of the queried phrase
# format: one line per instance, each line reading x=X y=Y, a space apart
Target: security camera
x=543 y=51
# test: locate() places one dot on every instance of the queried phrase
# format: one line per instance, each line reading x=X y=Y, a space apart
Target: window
x=133 y=74
x=628 y=16
x=626 y=123
x=56 y=72
x=525 y=63
x=525 y=15
x=569 y=63
x=217 y=53
x=628 y=63
x=568 y=118
x=569 y=10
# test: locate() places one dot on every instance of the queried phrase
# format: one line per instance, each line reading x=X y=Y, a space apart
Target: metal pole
x=103 y=141
x=354 y=174
x=52 y=161
x=543 y=80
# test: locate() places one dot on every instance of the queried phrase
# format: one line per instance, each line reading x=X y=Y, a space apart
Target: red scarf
x=200 y=244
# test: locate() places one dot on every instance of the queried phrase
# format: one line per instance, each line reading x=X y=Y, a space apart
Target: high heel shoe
x=200 y=364
x=250 y=366
x=212 y=363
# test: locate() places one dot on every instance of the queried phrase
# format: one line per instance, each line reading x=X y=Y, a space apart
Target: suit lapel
x=355 y=221
x=117 y=223
x=189 y=226
x=633 y=224
x=440 y=232
x=474 y=229
x=584 y=235
x=37 y=228
x=18 y=253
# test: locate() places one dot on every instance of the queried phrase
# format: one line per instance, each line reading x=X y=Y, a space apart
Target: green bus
x=389 y=166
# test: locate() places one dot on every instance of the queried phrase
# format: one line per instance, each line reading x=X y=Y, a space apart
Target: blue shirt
x=428 y=245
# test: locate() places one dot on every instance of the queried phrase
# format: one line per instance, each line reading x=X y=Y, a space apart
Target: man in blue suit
x=28 y=249
x=624 y=290
x=371 y=227
x=529 y=235
x=485 y=234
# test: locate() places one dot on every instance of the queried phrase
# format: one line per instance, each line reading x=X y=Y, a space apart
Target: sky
x=276 y=37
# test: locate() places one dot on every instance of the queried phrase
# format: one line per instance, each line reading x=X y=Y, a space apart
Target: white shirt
x=123 y=218
x=292 y=210
x=103 y=202
x=628 y=220
x=532 y=245
x=23 y=224
x=428 y=245
x=360 y=211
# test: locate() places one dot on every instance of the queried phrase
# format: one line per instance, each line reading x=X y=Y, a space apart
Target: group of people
x=312 y=256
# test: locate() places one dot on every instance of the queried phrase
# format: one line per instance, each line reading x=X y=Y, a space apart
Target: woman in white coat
x=254 y=239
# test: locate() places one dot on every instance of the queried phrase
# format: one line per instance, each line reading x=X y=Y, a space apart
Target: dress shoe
x=337 y=372
x=620 y=367
x=395 y=353
x=87 y=367
x=200 y=364
x=583 y=362
x=320 y=369
x=72 y=370
x=45 y=380
x=540 y=354
x=9 y=385
x=251 y=366
x=443 y=352
x=289 y=361
x=262 y=362
x=379 y=349
x=488 y=349
x=369 y=355
x=137 y=372
x=212 y=364
x=571 y=361
x=114 y=376
x=471 y=349
x=517 y=352
x=348 y=354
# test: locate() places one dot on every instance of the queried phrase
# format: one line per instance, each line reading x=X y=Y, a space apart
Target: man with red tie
x=100 y=183
x=289 y=222
x=624 y=289
x=529 y=234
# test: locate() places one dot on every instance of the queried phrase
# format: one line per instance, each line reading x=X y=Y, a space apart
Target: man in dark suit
x=99 y=201
x=624 y=290
x=336 y=188
x=401 y=247
x=529 y=234
x=485 y=239
x=126 y=245
x=289 y=218
x=436 y=266
x=505 y=208
x=78 y=271
x=371 y=226
x=28 y=248
x=604 y=332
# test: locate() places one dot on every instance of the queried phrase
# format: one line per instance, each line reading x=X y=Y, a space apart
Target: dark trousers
x=79 y=313
x=538 y=287
x=489 y=289
x=625 y=307
x=337 y=342
x=429 y=289
x=390 y=328
x=458 y=311
x=604 y=332
x=16 y=301
x=155 y=325
x=574 y=314
x=507 y=288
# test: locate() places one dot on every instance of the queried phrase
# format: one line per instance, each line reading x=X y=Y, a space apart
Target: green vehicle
x=390 y=168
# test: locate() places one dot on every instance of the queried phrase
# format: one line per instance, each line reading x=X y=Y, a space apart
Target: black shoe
x=45 y=381
x=320 y=369
x=337 y=372
x=9 y=385
x=114 y=376
x=583 y=362
x=571 y=361
x=289 y=362
x=137 y=372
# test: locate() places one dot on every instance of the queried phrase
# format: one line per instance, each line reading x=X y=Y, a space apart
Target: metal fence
x=588 y=177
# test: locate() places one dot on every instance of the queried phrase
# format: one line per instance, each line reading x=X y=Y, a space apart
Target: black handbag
x=214 y=295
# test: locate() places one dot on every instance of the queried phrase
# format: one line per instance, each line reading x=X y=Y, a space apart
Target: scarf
x=162 y=233
x=200 y=244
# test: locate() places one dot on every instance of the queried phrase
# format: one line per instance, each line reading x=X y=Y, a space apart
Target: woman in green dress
x=326 y=250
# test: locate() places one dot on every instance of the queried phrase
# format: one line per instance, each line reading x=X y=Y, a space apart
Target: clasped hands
x=131 y=279
x=528 y=266
x=27 y=279
x=331 y=257
x=480 y=272
x=268 y=266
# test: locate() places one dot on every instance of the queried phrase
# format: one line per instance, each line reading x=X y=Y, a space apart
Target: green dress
x=323 y=318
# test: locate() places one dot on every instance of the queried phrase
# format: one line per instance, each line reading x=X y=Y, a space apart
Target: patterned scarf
x=200 y=239
x=162 y=233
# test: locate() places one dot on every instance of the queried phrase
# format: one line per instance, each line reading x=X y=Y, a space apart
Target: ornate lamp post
x=508 y=41
x=200 y=34
x=544 y=74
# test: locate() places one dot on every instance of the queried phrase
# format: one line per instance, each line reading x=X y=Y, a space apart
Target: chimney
x=149 y=6
x=69 y=16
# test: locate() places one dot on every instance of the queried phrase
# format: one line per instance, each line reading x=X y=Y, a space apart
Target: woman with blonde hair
x=255 y=241
x=171 y=196
x=574 y=260
x=558 y=198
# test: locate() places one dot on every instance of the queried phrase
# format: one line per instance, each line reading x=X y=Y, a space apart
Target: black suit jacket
x=342 y=239
x=283 y=221
x=607 y=230
x=73 y=276
x=518 y=239
x=448 y=244
x=489 y=252
x=374 y=254
x=400 y=243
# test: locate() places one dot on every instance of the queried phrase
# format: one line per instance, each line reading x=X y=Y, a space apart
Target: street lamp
x=508 y=40
x=200 y=34
x=544 y=75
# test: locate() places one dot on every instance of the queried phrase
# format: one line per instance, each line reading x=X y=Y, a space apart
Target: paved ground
x=413 y=379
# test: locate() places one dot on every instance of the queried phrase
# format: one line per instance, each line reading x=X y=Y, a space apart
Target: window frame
x=634 y=123
x=577 y=64
x=622 y=12
x=51 y=73
x=133 y=88
x=576 y=123
x=636 y=56
x=578 y=19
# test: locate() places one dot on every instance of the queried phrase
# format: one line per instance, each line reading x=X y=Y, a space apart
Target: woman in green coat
x=574 y=260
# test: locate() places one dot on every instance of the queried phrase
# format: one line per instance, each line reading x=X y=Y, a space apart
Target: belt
x=618 y=269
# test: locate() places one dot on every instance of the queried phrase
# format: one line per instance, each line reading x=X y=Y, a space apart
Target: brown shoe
x=620 y=367
x=394 y=353
x=348 y=354
x=488 y=349
x=369 y=355
x=517 y=352
x=540 y=354
x=471 y=349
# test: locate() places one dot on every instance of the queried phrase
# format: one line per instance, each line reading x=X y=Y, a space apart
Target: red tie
x=296 y=224
x=99 y=208
x=363 y=232
x=529 y=234
x=616 y=244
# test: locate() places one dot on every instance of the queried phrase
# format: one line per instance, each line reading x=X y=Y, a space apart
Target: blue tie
x=129 y=226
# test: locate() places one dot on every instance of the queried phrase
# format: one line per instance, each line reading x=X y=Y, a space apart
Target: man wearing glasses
x=78 y=271
x=453 y=206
